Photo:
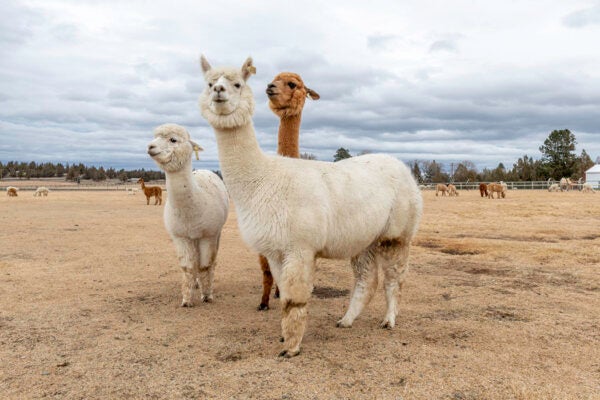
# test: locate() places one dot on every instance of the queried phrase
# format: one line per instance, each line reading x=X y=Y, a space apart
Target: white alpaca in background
x=196 y=209
x=292 y=211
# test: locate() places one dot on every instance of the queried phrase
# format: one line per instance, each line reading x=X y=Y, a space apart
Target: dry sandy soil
x=502 y=302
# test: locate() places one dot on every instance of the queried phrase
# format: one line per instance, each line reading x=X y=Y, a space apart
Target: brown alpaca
x=496 y=188
x=452 y=190
x=150 y=191
x=440 y=187
x=483 y=190
x=287 y=95
x=11 y=192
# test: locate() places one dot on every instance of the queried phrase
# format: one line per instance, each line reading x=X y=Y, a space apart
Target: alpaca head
x=287 y=94
x=172 y=147
x=227 y=100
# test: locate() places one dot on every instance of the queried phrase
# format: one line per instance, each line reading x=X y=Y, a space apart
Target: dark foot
x=276 y=295
x=263 y=307
x=281 y=339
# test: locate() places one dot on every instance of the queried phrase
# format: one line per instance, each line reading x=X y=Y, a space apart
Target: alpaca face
x=227 y=100
x=171 y=148
x=287 y=94
x=224 y=93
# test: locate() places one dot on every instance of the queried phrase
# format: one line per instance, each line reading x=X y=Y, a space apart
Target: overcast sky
x=87 y=81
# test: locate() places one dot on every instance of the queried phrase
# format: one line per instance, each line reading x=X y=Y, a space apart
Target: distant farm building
x=592 y=176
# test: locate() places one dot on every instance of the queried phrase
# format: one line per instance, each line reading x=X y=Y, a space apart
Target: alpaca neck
x=180 y=184
x=289 y=131
x=143 y=186
x=243 y=164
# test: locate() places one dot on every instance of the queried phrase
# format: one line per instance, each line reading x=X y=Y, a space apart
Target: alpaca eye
x=237 y=85
x=210 y=85
x=292 y=85
x=173 y=140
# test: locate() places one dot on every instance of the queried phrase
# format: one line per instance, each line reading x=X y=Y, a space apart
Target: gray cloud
x=443 y=45
x=583 y=18
x=92 y=89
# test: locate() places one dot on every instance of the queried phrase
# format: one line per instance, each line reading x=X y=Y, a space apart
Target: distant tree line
x=72 y=172
x=558 y=160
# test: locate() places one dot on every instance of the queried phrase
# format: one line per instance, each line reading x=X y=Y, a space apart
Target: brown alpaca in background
x=12 y=191
x=150 y=191
x=287 y=95
x=483 y=190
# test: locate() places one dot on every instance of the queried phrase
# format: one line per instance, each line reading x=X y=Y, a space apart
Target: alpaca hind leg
x=187 y=253
x=267 y=283
x=206 y=268
x=393 y=258
x=365 y=284
x=295 y=284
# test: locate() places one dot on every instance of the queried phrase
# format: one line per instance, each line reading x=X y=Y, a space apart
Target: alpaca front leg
x=365 y=284
x=206 y=268
x=295 y=288
x=188 y=285
x=188 y=259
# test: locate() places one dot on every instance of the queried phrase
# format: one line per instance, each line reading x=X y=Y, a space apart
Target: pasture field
x=502 y=302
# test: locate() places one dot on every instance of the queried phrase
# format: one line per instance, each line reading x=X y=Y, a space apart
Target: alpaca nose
x=219 y=88
x=270 y=86
x=151 y=147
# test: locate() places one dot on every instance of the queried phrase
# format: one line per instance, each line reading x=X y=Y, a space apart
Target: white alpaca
x=554 y=188
x=196 y=209
x=292 y=211
x=41 y=191
x=587 y=188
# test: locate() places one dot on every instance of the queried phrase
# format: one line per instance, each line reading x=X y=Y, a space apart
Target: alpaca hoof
x=262 y=307
x=197 y=285
x=281 y=339
x=207 y=299
x=387 y=325
x=187 y=303
x=343 y=324
x=289 y=354
x=276 y=295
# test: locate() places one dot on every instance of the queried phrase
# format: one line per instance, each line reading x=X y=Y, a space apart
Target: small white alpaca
x=41 y=191
x=554 y=187
x=587 y=188
x=196 y=209
x=366 y=209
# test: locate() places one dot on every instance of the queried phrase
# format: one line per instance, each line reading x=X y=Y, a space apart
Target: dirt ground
x=502 y=302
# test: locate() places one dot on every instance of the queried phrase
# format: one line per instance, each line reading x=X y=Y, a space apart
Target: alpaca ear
x=205 y=65
x=196 y=148
x=312 y=94
x=248 y=69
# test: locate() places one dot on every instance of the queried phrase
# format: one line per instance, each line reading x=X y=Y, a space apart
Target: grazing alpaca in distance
x=440 y=187
x=41 y=191
x=368 y=208
x=554 y=187
x=196 y=209
x=452 y=190
x=483 y=190
x=587 y=188
x=150 y=191
x=11 y=191
x=287 y=94
x=499 y=188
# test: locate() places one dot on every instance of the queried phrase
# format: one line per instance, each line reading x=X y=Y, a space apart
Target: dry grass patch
x=89 y=308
